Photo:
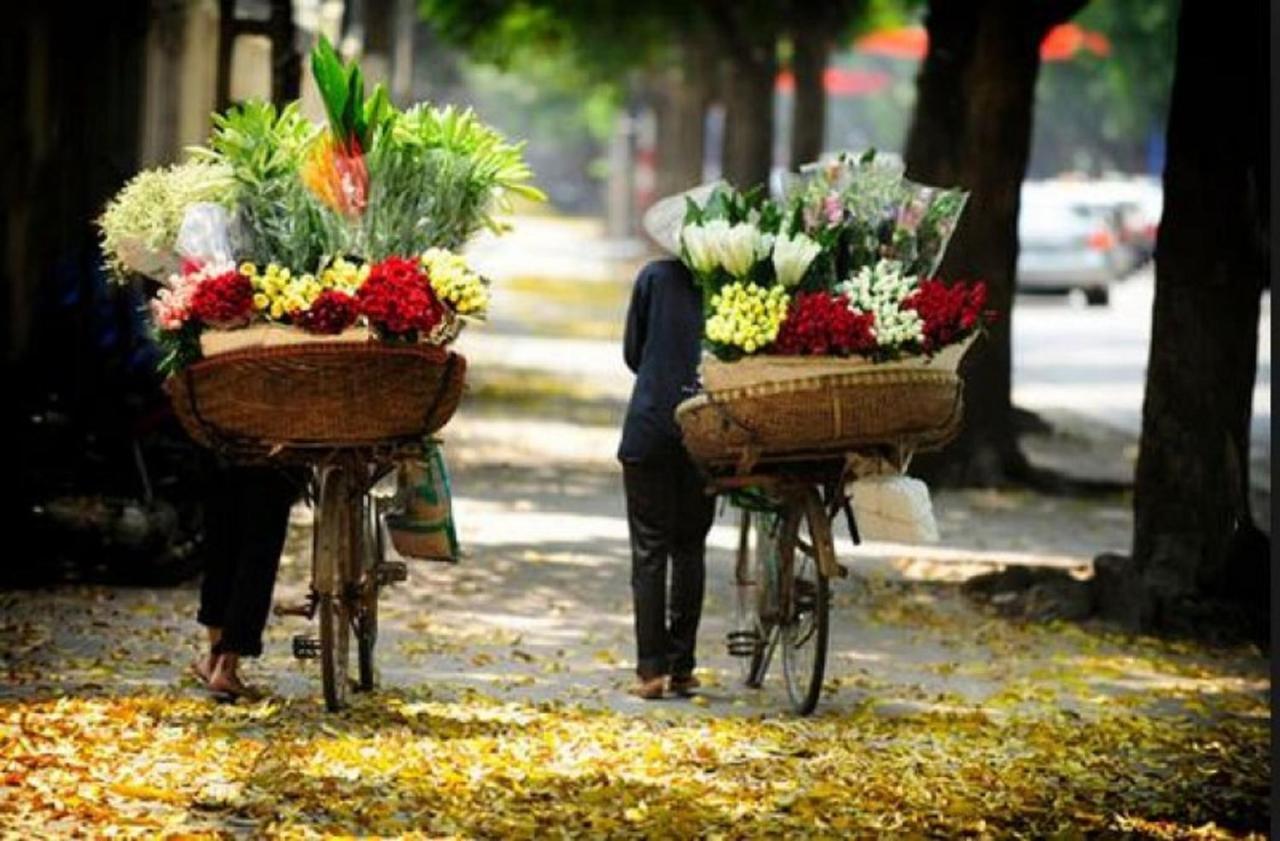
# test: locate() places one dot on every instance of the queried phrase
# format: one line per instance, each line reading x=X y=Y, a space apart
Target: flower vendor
x=668 y=510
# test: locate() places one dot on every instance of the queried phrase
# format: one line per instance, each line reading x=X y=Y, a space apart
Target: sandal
x=648 y=689
x=199 y=669
x=683 y=685
x=235 y=690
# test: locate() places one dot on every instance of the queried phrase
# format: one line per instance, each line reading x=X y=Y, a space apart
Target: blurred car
x=1068 y=241
x=1141 y=201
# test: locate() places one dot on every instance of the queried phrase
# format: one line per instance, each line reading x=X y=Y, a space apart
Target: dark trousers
x=247 y=518
x=669 y=515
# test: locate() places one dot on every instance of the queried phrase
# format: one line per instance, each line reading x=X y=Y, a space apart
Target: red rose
x=819 y=324
x=949 y=312
x=330 y=313
x=223 y=300
x=397 y=298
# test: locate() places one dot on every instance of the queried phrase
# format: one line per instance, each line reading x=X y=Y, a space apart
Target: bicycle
x=782 y=576
x=348 y=570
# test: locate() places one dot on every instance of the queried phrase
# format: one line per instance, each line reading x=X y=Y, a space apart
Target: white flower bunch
x=880 y=290
x=792 y=257
x=717 y=244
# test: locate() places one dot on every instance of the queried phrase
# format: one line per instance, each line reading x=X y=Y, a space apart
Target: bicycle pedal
x=306 y=609
x=306 y=648
x=743 y=643
x=391 y=572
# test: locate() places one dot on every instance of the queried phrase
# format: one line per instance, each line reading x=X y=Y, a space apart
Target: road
x=1092 y=361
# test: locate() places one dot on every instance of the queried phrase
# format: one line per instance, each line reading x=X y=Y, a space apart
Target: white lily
x=742 y=247
x=699 y=250
x=792 y=257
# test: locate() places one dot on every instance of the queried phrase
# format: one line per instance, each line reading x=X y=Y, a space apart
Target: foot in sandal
x=226 y=683
x=648 y=688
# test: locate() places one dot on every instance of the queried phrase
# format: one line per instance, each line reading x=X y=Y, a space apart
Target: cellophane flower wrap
x=319 y=228
x=844 y=265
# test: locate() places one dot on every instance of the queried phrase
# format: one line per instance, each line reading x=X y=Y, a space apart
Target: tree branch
x=724 y=19
x=1054 y=12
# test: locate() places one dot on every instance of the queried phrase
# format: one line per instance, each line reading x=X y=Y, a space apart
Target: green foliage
x=342 y=89
x=283 y=221
x=604 y=38
x=437 y=176
x=178 y=348
x=1096 y=112
x=736 y=206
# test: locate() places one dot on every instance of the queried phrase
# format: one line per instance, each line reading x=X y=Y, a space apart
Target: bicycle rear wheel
x=335 y=547
x=805 y=546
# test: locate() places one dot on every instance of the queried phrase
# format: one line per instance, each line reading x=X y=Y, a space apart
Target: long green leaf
x=331 y=79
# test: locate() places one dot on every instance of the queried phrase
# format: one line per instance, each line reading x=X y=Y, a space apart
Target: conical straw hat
x=665 y=217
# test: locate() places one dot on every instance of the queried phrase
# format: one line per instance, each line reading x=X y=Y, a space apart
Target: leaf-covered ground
x=469 y=765
x=990 y=729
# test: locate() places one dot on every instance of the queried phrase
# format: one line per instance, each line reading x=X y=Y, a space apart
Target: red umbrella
x=841 y=81
x=912 y=42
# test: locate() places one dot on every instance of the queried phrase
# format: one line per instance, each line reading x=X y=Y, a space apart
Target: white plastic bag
x=208 y=234
x=893 y=509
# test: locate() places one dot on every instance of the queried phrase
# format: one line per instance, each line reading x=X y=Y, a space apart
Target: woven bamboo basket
x=318 y=395
x=835 y=410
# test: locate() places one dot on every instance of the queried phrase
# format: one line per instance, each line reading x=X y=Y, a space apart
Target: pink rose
x=833 y=209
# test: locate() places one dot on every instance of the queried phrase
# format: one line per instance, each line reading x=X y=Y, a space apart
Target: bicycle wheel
x=366 y=619
x=334 y=547
x=804 y=546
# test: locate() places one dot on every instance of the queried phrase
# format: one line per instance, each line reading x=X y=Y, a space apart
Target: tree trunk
x=748 y=133
x=811 y=46
x=680 y=97
x=1194 y=539
x=972 y=128
x=286 y=64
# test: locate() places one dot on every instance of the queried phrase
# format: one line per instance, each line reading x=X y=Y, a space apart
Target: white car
x=1068 y=240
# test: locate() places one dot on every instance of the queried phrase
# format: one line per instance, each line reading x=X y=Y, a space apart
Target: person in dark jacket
x=668 y=509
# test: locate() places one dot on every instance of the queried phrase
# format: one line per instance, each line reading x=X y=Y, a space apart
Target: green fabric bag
x=425 y=528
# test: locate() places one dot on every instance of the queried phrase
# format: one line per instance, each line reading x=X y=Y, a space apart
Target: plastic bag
x=894 y=509
x=208 y=234
x=926 y=219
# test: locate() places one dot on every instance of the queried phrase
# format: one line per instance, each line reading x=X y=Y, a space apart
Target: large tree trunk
x=750 y=75
x=681 y=95
x=811 y=46
x=972 y=128
x=1194 y=540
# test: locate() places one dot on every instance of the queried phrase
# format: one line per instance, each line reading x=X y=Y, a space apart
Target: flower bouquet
x=823 y=329
x=308 y=276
